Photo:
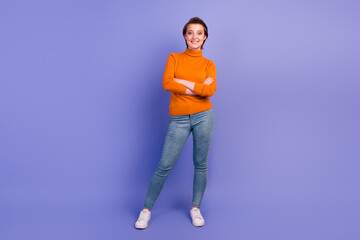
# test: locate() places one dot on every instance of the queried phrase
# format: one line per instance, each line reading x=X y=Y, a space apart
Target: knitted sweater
x=192 y=66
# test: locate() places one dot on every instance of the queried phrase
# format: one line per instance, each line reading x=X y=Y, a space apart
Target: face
x=195 y=36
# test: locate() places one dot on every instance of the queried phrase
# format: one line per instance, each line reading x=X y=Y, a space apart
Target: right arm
x=168 y=79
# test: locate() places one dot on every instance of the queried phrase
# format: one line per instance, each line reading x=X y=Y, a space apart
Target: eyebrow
x=198 y=30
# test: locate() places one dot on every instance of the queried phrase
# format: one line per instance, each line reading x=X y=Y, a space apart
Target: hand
x=208 y=81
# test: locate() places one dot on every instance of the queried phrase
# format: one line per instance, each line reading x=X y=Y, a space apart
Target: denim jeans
x=202 y=127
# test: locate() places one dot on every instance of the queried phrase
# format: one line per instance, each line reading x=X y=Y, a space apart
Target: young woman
x=191 y=79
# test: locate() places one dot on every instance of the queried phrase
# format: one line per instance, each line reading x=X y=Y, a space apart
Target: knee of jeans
x=201 y=167
x=163 y=171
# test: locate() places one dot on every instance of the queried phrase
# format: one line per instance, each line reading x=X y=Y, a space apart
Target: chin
x=194 y=47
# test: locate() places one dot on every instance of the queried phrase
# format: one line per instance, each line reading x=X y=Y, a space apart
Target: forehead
x=195 y=27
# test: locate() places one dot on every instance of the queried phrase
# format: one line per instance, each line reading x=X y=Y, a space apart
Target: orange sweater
x=192 y=66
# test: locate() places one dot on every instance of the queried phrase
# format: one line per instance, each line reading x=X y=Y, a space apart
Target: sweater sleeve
x=168 y=79
x=205 y=90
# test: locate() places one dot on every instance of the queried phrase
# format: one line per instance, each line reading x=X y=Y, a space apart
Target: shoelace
x=197 y=214
x=143 y=215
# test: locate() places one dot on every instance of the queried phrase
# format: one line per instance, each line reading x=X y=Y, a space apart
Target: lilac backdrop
x=84 y=118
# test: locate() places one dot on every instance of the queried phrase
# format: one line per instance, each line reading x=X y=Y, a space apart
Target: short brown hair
x=196 y=20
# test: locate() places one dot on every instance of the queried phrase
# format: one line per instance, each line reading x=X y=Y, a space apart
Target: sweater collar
x=193 y=53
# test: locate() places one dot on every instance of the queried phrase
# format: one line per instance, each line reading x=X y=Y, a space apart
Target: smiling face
x=195 y=36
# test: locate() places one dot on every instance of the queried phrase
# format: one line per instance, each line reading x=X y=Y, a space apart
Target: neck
x=193 y=53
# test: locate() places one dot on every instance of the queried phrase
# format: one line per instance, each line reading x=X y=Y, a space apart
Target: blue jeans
x=202 y=126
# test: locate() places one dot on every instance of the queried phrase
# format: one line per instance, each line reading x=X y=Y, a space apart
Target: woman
x=191 y=79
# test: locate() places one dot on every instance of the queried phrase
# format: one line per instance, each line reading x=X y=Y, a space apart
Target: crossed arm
x=182 y=86
x=190 y=85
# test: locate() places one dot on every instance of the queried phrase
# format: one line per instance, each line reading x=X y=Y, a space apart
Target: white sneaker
x=143 y=219
x=197 y=218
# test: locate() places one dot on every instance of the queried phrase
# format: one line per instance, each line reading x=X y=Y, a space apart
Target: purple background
x=84 y=118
